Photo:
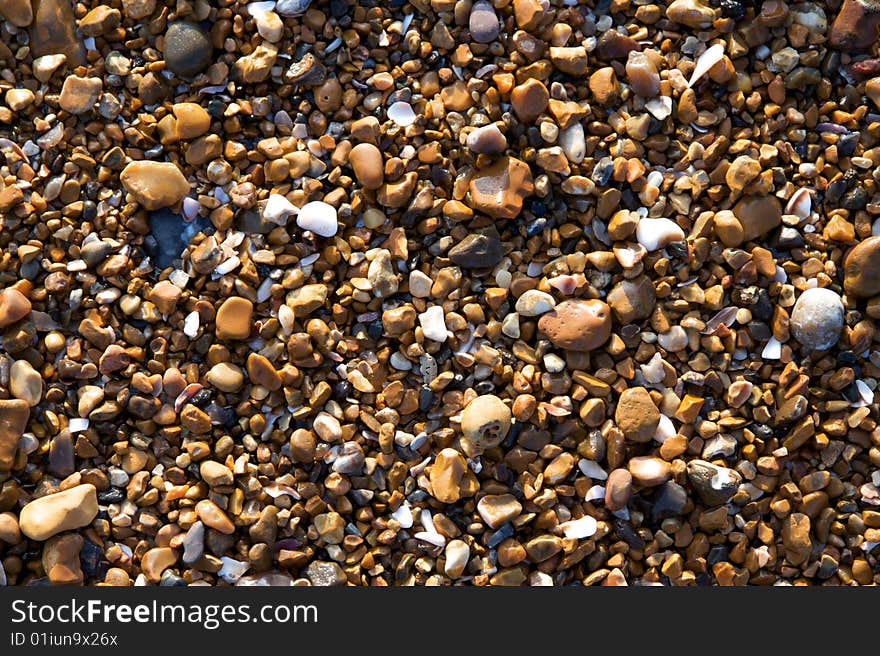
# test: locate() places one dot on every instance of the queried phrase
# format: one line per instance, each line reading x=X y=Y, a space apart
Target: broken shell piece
x=706 y=61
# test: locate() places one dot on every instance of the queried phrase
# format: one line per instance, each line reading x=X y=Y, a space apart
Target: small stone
x=742 y=172
x=571 y=60
x=100 y=20
x=483 y=22
x=530 y=13
x=715 y=485
x=529 y=100
x=855 y=27
x=758 y=215
x=262 y=372
x=498 y=509
x=318 y=217
x=543 y=547
x=330 y=526
x=478 y=251
x=137 y=9
x=10 y=197
x=14 y=306
x=457 y=554
x=25 y=382
x=14 y=415
x=53 y=32
x=649 y=471
x=234 y=318
x=63 y=511
x=188 y=50
x=500 y=189
x=325 y=574
x=446 y=476
x=636 y=415
x=79 y=94
x=9 y=530
x=632 y=300
x=618 y=489
x=604 y=86
x=692 y=13
x=19 y=99
x=861 y=269
x=46 y=65
x=655 y=234
x=257 y=66
x=192 y=120
x=534 y=303
x=157 y=560
x=577 y=325
x=487 y=140
x=796 y=538
x=154 y=184
x=366 y=160
x=306 y=299
x=213 y=517
x=381 y=275
x=433 y=323
x=195 y=420
x=215 y=474
x=817 y=319
x=486 y=421
x=61 y=559
x=165 y=295
x=269 y=25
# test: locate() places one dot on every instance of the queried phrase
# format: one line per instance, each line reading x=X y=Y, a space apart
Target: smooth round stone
x=457 y=554
x=654 y=234
x=366 y=160
x=636 y=415
x=632 y=300
x=577 y=325
x=14 y=306
x=486 y=421
x=649 y=471
x=292 y=7
x=817 y=319
x=154 y=185
x=498 y=509
x=529 y=99
x=64 y=511
x=188 y=49
x=433 y=323
x=233 y=319
x=318 y=217
x=225 y=377
x=758 y=215
x=483 y=22
x=861 y=269
x=618 y=489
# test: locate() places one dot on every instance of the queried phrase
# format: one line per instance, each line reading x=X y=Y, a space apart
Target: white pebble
x=592 y=469
x=675 y=339
x=578 y=529
x=78 y=425
x=665 y=429
x=278 y=208
x=318 y=217
x=228 y=266
x=594 y=493
x=402 y=114
x=654 y=234
x=457 y=554
x=773 y=349
x=232 y=569
x=191 y=325
x=403 y=515
x=433 y=322
x=573 y=143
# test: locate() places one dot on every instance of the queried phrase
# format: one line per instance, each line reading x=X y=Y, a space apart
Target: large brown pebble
x=212 y=516
x=233 y=319
x=636 y=415
x=577 y=325
x=262 y=372
x=498 y=509
x=758 y=215
x=10 y=533
x=156 y=561
x=17 y=12
x=500 y=189
x=14 y=306
x=192 y=120
x=861 y=269
x=366 y=160
x=446 y=476
x=649 y=471
x=64 y=511
x=61 y=559
x=154 y=184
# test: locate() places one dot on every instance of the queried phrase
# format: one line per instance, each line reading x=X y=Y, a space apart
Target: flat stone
x=633 y=299
x=154 y=184
x=498 y=509
x=618 y=489
x=53 y=32
x=19 y=12
x=758 y=215
x=500 y=189
x=636 y=415
x=577 y=325
x=63 y=511
x=234 y=318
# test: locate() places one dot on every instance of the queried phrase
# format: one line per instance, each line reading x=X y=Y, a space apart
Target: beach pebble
x=318 y=217
x=817 y=318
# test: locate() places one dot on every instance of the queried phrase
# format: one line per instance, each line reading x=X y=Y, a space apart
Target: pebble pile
x=439 y=292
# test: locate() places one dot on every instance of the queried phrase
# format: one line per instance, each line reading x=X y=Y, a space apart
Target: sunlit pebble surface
x=439 y=293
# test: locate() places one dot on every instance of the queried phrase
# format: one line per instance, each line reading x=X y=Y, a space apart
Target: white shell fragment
x=706 y=61
x=578 y=529
x=654 y=234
